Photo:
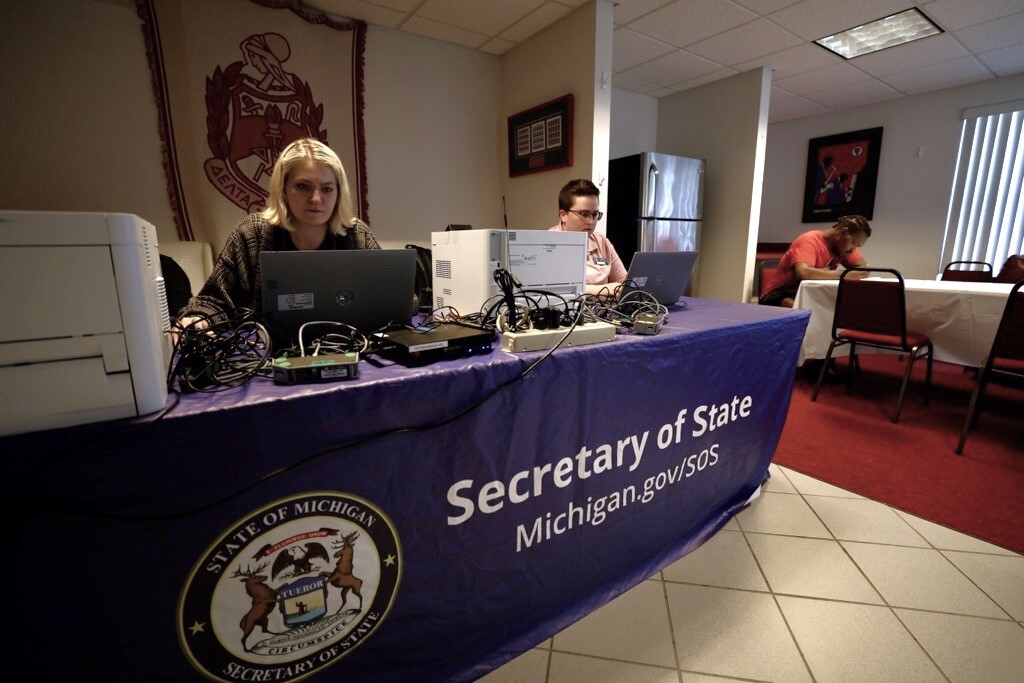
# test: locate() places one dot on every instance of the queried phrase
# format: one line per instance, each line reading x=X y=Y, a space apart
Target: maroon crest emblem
x=255 y=108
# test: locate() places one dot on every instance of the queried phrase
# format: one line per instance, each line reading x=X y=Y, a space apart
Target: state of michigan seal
x=290 y=588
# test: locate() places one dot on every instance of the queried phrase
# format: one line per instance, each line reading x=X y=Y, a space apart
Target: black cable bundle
x=623 y=305
x=507 y=283
x=217 y=352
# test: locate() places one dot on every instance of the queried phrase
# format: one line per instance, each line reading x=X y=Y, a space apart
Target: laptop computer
x=364 y=288
x=662 y=273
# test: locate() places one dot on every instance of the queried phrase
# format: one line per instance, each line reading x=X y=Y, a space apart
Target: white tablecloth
x=960 y=317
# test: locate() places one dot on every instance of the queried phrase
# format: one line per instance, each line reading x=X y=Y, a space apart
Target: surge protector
x=540 y=340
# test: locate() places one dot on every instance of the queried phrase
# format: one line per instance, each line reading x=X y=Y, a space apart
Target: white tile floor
x=810 y=582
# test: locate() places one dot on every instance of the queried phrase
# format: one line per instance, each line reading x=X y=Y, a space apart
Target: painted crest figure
x=255 y=108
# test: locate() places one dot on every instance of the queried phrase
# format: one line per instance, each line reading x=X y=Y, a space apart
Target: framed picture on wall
x=540 y=139
x=842 y=171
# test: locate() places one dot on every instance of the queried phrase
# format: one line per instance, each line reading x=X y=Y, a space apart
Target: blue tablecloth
x=151 y=551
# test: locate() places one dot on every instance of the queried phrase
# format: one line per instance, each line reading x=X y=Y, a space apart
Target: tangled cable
x=625 y=304
x=218 y=352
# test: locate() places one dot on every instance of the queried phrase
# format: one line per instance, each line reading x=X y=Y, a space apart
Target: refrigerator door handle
x=646 y=241
x=652 y=178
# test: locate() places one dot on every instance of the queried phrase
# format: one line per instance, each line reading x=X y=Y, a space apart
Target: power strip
x=540 y=340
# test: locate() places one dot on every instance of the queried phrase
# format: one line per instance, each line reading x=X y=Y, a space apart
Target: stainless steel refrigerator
x=655 y=203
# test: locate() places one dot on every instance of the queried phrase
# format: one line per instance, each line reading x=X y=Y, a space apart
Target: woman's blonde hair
x=277 y=212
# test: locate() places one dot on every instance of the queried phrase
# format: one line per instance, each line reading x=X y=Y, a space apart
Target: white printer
x=82 y=319
x=465 y=260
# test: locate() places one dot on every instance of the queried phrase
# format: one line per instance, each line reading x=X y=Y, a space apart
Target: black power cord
x=220 y=351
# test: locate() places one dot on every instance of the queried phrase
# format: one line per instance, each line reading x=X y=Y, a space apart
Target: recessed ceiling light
x=895 y=29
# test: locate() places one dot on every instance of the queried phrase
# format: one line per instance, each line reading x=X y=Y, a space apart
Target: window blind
x=985 y=221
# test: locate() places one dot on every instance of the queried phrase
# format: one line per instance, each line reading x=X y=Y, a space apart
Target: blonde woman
x=309 y=208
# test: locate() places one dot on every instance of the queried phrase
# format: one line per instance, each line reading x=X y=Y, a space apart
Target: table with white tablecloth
x=961 y=318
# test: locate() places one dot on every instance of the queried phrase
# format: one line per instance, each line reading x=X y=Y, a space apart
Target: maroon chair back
x=1009 y=341
x=875 y=306
x=966 y=274
x=765 y=277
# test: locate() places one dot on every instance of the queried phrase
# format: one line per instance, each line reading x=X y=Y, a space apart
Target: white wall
x=570 y=56
x=726 y=123
x=912 y=197
x=79 y=121
x=634 y=125
x=432 y=137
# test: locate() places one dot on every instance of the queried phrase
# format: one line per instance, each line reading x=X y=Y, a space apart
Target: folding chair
x=874 y=313
x=983 y=274
x=765 y=275
x=1005 y=358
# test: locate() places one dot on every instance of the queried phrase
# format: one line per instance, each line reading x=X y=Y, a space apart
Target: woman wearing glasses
x=578 y=204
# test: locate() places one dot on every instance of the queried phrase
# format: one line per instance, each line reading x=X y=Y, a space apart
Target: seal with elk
x=342 y=576
x=262 y=602
x=264 y=598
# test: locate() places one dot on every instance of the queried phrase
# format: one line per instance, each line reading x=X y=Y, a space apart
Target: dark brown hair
x=581 y=187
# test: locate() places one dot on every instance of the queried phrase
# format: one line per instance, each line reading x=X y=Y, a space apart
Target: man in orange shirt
x=816 y=255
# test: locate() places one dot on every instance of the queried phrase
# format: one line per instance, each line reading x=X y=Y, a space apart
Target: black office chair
x=424 y=278
x=874 y=313
x=1005 y=358
x=982 y=274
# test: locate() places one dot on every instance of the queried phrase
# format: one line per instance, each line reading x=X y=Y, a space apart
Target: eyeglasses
x=588 y=215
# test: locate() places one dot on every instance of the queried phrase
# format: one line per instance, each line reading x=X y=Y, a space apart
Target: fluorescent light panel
x=895 y=29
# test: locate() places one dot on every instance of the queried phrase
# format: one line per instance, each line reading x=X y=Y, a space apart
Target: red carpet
x=847 y=439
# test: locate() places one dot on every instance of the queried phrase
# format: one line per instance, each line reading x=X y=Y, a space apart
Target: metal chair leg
x=824 y=369
x=928 y=374
x=850 y=366
x=970 y=410
x=906 y=381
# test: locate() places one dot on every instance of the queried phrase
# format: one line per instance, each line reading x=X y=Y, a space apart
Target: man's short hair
x=581 y=187
x=854 y=223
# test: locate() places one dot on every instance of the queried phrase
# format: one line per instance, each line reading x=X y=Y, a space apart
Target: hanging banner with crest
x=235 y=82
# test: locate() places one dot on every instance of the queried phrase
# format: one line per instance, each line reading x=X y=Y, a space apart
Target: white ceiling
x=663 y=47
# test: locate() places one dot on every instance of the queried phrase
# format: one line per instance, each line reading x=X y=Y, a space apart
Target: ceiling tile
x=449 y=34
x=541 y=18
x=822 y=79
x=629 y=49
x=688 y=21
x=765 y=6
x=673 y=68
x=628 y=10
x=722 y=37
x=938 y=76
x=778 y=94
x=993 y=35
x=794 y=61
x=743 y=43
x=954 y=14
x=497 y=46
x=489 y=17
x=813 y=19
x=855 y=95
x=633 y=84
x=1005 y=61
x=702 y=80
x=353 y=9
x=931 y=50
x=793 y=108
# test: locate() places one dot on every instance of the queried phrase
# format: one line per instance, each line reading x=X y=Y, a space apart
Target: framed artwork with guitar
x=842 y=171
